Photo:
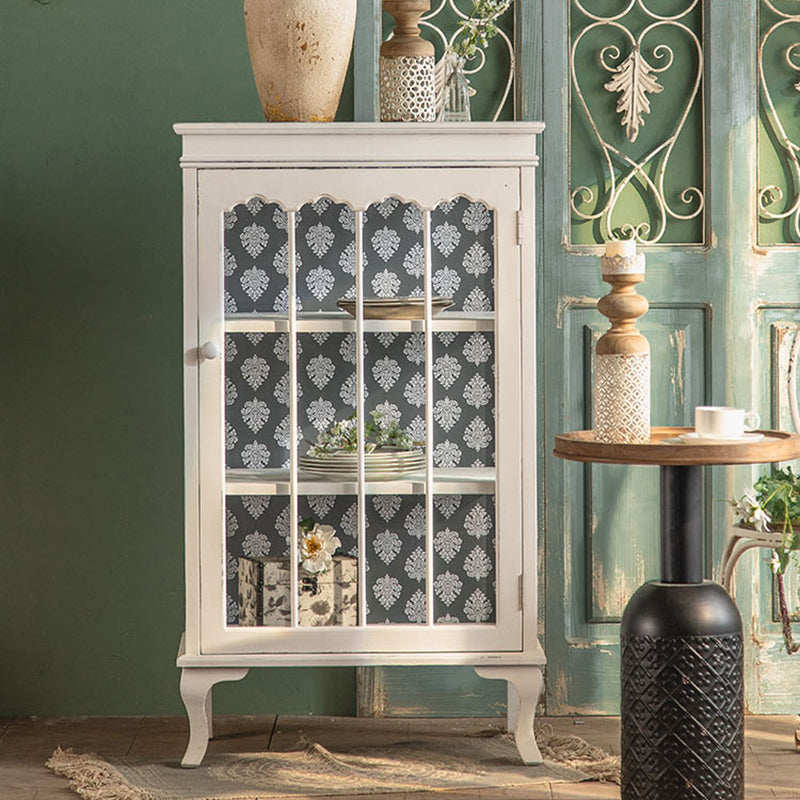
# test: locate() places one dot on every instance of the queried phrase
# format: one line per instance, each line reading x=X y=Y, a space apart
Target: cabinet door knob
x=210 y=350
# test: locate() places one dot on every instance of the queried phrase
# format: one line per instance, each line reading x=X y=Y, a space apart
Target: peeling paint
x=589 y=644
x=759 y=643
x=791 y=381
x=560 y=689
x=565 y=710
x=568 y=301
x=599 y=587
x=677 y=340
x=611 y=596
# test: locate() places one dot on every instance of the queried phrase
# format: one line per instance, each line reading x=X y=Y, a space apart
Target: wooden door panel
x=610 y=513
x=776 y=676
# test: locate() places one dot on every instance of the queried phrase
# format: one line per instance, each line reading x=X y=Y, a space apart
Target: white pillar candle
x=621 y=247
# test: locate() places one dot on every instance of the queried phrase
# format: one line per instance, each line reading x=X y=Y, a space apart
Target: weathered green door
x=698 y=154
x=657 y=124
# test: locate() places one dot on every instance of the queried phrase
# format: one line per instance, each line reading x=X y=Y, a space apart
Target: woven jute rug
x=427 y=763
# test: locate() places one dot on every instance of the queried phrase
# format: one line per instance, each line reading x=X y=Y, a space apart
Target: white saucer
x=697 y=439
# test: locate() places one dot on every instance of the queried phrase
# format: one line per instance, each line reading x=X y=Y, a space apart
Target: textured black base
x=682 y=694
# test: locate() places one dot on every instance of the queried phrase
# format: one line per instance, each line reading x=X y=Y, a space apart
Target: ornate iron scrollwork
x=437 y=19
x=635 y=56
x=774 y=24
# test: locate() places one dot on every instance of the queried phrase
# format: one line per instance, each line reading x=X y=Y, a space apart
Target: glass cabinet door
x=350 y=443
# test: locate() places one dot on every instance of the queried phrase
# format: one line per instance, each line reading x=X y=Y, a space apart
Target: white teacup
x=724 y=422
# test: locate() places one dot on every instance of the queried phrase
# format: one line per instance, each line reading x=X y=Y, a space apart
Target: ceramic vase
x=299 y=50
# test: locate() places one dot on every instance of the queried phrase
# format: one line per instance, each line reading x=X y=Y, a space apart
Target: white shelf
x=463 y=480
x=339 y=322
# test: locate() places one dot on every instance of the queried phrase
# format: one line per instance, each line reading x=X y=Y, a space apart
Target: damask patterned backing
x=463 y=542
x=256 y=400
x=257 y=392
x=256 y=254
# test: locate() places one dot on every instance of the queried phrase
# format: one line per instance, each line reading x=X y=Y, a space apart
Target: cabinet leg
x=512 y=705
x=196 y=684
x=210 y=713
x=527 y=685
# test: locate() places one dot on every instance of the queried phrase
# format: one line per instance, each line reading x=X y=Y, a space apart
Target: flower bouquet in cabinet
x=389 y=451
x=327 y=583
x=773 y=510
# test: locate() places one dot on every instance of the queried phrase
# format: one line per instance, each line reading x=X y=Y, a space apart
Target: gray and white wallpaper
x=256 y=254
x=257 y=392
x=463 y=543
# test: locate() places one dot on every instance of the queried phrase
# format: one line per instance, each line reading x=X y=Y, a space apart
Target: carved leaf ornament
x=633 y=78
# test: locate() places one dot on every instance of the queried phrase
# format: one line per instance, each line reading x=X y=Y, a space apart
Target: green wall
x=91 y=573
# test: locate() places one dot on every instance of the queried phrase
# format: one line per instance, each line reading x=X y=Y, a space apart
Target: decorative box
x=328 y=598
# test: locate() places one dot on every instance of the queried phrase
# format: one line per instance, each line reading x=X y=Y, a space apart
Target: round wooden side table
x=682 y=702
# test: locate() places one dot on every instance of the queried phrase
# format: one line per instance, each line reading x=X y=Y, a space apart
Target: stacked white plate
x=394 y=307
x=383 y=464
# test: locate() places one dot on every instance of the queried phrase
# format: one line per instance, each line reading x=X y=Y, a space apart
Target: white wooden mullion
x=292 y=318
x=429 y=618
x=362 y=509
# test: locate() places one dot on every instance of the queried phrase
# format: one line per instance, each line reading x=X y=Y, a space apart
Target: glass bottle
x=457 y=91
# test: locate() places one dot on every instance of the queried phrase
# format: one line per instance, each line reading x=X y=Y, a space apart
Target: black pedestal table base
x=682 y=667
x=682 y=694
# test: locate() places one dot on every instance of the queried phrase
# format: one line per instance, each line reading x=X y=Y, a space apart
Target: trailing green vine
x=775 y=508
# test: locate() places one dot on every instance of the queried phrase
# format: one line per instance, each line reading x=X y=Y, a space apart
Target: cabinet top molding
x=359 y=143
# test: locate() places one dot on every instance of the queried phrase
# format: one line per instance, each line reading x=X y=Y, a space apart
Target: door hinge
x=521 y=585
x=520 y=221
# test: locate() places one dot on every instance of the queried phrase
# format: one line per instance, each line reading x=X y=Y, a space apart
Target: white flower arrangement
x=751 y=512
x=318 y=545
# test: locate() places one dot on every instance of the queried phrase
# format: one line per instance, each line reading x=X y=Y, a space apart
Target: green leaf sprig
x=481 y=26
x=778 y=493
x=776 y=507
x=379 y=431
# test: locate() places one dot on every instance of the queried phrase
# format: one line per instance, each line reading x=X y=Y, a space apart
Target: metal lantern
x=406 y=66
x=622 y=357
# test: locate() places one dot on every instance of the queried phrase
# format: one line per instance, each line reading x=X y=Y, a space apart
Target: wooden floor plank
x=772 y=765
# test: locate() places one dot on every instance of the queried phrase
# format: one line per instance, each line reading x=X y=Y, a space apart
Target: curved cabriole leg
x=512 y=706
x=196 y=684
x=527 y=683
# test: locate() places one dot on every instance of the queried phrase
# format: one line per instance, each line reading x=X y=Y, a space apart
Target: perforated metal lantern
x=406 y=66
x=622 y=356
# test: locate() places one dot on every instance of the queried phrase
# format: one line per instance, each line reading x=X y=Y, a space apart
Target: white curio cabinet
x=284 y=223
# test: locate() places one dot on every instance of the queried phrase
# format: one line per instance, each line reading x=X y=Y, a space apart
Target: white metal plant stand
x=741 y=540
x=281 y=221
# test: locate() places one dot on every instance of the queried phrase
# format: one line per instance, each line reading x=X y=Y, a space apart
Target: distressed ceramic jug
x=299 y=50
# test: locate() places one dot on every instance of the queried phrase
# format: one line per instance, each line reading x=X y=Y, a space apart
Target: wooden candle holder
x=622 y=355
x=406 y=40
